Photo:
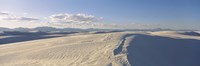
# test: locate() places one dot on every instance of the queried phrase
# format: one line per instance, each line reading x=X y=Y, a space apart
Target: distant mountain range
x=52 y=29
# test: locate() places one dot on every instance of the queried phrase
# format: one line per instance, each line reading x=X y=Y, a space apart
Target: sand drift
x=103 y=49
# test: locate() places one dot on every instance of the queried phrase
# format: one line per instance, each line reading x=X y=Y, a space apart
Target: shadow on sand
x=147 y=50
x=23 y=38
x=191 y=33
x=26 y=36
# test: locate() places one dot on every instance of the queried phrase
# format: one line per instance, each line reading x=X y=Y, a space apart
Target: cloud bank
x=72 y=18
x=11 y=17
x=3 y=13
x=79 y=20
x=20 y=19
x=65 y=20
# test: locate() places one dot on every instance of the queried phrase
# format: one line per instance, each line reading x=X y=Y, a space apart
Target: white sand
x=81 y=50
x=174 y=34
x=77 y=50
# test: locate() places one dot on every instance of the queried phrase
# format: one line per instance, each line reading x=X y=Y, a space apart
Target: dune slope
x=81 y=50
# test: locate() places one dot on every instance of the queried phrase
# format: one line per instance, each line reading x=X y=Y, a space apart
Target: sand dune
x=147 y=50
x=105 y=49
x=82 y=50
x=176 y=34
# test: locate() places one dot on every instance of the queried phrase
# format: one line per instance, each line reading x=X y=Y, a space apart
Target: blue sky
x=180 y=14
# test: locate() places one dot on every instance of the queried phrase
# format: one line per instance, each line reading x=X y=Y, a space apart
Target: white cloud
x=57 y=20
x=75 y=21
x=66 y=21
x=11 y=17
x=3 y=13
x=20 y=18
x=73 y=18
